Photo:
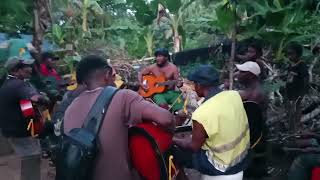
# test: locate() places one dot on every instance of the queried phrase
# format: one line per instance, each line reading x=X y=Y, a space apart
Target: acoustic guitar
x=36 y=117
x=155 y=84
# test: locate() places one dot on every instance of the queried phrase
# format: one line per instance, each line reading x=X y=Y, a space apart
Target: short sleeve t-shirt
x=12 y=122
x=45 y=71
x=225 y=121
x=297 y=80
x=125 y=109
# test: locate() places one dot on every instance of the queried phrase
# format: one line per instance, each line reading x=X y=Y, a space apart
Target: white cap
x=249 y=66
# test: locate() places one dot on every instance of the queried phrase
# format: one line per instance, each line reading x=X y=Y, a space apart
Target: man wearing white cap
x=253 y=97
x=248 y=76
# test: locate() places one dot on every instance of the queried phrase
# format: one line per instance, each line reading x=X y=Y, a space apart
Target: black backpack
x=78 y=148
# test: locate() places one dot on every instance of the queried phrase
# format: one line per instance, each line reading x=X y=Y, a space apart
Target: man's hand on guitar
x=40 y=99
x=179 y=83
x=144 y=87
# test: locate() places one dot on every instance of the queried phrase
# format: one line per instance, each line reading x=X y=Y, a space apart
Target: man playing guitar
x=13 y=125
x=171 y=73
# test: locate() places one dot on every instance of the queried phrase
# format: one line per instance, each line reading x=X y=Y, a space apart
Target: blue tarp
x=46 y=46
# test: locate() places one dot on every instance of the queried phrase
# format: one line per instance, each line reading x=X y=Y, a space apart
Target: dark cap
x=205 y=75
x=162 y=51
x=14 y=62
x=50 y=55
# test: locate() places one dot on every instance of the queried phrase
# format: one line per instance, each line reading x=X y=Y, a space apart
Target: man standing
x=254 y=53
x=253 y=97
x=220 y=136
x=47 y=67
x=298 y=76
x=12 y=123
x=126 y=108
x=171 y=72
x=296 y=85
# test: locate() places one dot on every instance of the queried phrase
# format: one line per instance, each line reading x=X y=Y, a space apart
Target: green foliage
x=273 y=86
x=279 y=23
x=16 y=15
x=225 y=19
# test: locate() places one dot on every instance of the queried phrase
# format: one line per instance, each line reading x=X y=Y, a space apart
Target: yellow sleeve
x=207 y=118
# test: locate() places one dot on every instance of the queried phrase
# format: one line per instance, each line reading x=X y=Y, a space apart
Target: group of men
x=25 y=80
x=220 y=141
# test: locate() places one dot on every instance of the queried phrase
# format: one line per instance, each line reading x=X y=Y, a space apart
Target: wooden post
x=233 y=50
x=42 y=20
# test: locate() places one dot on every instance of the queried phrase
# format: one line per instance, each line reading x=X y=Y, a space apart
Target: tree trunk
x=42 y=20
x=176 y=37
x=177 y=43
x=233 y=52
x=85 y=16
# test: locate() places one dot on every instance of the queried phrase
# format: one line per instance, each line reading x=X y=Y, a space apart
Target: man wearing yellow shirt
x=220 y=137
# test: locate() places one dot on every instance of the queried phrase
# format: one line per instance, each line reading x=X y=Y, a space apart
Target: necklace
x=96 y=89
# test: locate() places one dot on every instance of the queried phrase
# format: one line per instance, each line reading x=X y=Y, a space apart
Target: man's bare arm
x=145 y=71
x=195 y=143
x=176 y=76
x=160 y=116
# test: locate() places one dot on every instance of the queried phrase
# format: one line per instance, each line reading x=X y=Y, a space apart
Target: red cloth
x=143 y=156
x=45 y=71
x=316 y=173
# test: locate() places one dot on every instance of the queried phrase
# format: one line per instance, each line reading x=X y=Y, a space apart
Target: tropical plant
x=16 y=16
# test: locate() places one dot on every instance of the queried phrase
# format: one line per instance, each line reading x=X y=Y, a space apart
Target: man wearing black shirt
x=297 y=80
x=296 y=85
x=12 y=124
x=14 y=89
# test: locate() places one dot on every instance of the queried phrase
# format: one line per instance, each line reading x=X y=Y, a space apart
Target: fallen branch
x=312 y=65
x=310 y=115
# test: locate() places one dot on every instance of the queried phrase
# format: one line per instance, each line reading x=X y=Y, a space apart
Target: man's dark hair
x=257 y=46
x=163 y=52
x=20 y=66
x=296 y=48
x=48 y=55
x=89 y=65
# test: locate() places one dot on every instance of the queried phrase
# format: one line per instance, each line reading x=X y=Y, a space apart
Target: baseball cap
x=50 y=55
x=249 y=66
x=205 y=75
x=14 y=61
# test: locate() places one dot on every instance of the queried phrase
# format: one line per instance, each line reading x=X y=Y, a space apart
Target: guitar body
x=153 y=83
x=31 y=113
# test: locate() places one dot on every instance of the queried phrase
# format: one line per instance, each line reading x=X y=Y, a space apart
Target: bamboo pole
x=233 y=50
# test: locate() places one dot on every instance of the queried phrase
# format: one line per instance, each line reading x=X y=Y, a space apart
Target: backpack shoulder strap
x=96 y=114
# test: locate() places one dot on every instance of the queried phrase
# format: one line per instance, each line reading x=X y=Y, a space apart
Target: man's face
x=161 y=60
x=251 y=54
x=292 y=55
x=50 y=62
x=25 y=72
x=243 y=76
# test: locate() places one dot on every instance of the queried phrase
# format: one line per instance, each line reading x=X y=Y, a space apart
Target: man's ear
x=106 y=77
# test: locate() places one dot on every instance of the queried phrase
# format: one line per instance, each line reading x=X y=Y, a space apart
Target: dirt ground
x=277 y=163
x=9 y=169
x=9 y=172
